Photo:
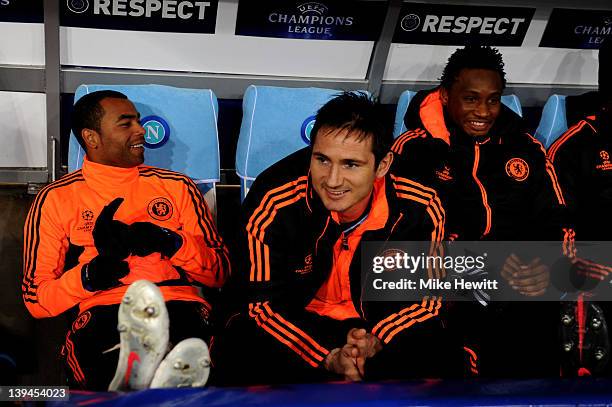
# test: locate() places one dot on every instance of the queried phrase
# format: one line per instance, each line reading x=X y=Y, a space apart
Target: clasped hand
x=349 y=361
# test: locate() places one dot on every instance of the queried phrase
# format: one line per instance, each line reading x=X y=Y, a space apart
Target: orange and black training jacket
x=499 y=187
x=581 y=157
x=297 y=256
x=58 y=238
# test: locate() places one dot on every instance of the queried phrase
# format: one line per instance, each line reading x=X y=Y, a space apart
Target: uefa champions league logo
x=77 y=6
x=410 y=22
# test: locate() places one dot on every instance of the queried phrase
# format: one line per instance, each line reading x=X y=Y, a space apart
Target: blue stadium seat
x=275 y=123
x=181 y=129
x=553 y=122
x=512 y=101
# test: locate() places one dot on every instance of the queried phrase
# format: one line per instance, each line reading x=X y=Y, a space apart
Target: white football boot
x=143 y=329
x=187 y=365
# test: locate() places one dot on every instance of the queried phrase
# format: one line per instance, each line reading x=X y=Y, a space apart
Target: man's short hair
x=87 y=112
x=472 y=57
x=361 y=115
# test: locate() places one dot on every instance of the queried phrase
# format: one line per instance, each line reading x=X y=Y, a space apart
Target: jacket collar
x=427 y=112
x=101 y=178
x=379 y=209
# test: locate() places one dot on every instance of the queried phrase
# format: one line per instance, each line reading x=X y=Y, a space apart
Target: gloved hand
x=146 y=238
x=103 y=272
x=110 y=236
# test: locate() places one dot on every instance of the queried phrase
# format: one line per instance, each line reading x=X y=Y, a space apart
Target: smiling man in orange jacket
x=98 y=229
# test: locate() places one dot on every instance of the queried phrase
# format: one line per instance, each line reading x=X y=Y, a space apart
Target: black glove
x=146 y=238
x=103 y=272
x=111 y=237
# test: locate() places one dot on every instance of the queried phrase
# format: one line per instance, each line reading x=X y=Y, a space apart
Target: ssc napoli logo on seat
x=307 y=126
x=157 y=131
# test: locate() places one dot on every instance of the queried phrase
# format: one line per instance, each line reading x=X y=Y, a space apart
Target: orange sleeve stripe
x=473 y=355
x=301 y=194
x=262 y=217
x=301 y=343
x=32 y=235
x=550 y=170
x=431 y=193
x=258 y=257
x=267 y=262
x=268 y=201
x=569 y=248
x=33 y=221
x=391 y=317
x=591 y=275
x=72 y=361
x=403 y=317
x=413 y=198
x=261 y=322
x=430 y=199
x=483 y=192
x=263 y=259
x=295 y=329
x=553 y=177
x=552 y=150
x=594 y=267
x=251 y=243
x=434 y=209
x=396 y=319
x=398 y=145
x=411 y=322
x=438 y=232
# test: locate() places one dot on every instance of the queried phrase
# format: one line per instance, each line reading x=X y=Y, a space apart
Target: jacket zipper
x=483 y=191
x=345 y=245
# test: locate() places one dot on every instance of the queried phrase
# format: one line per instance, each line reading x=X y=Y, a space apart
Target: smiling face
x=474 y=100
x=120 y=141
x=343 y=171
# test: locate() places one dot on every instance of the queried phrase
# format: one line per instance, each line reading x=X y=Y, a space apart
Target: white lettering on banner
x=467 y=25
x=309 y=30
x=309 y=20
x=4 y=2
x=137 y=9
x=119 y=8
x=589 y=30
x=445 y=23
x=170 y=9
x=498 y=30
x=102 y=5
x=181 y=11
x=151 y=6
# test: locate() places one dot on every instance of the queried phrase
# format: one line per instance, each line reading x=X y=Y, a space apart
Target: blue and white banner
x=313 y=20
x=21 y=11
x=444 y=24
x=581 y=29
x=185 y=16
